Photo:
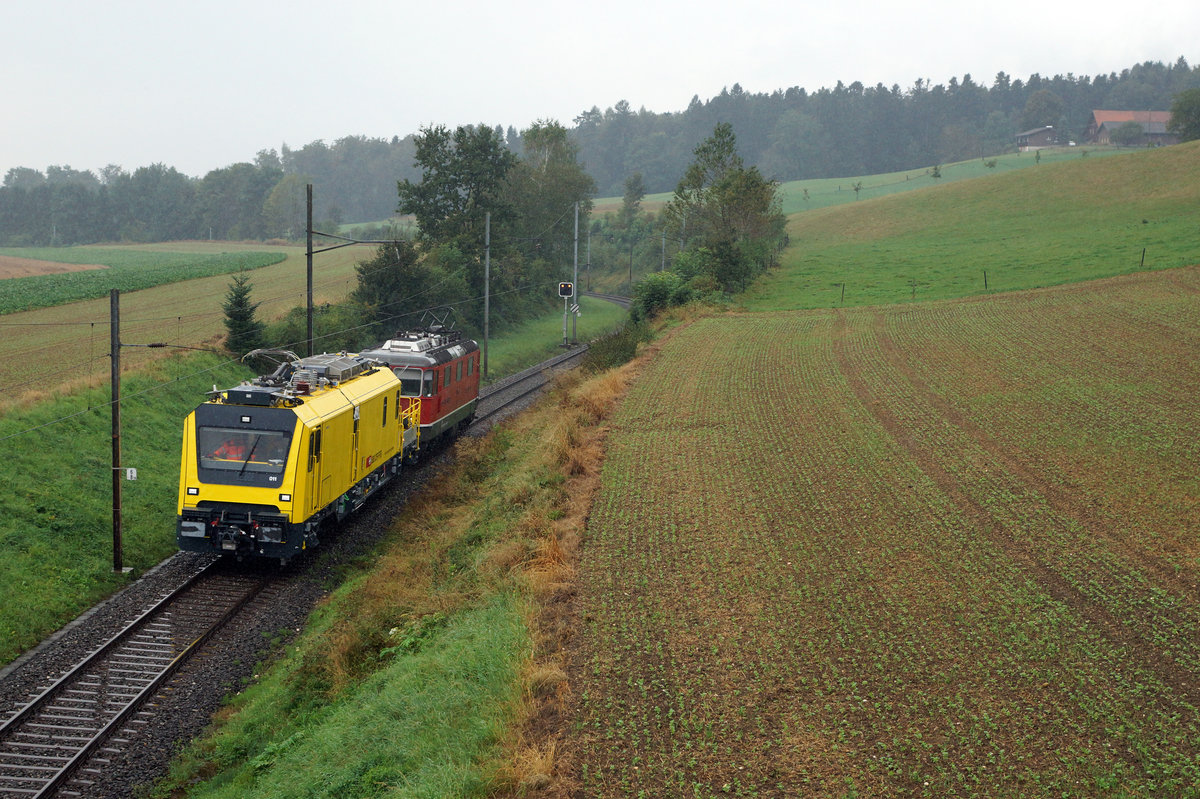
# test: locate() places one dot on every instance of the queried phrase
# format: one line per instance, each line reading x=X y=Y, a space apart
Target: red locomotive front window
x=410 y=381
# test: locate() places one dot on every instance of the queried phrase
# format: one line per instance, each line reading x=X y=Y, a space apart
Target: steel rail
x=535 y=377
x=66 y=764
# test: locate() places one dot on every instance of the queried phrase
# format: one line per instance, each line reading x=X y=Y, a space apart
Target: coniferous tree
x=244 y=329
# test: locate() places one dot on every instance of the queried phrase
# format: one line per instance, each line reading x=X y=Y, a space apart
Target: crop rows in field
x=55 y=347
x=128 y=270
x=934 y=550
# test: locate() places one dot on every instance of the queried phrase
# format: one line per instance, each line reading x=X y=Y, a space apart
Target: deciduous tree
x=730 y=209
x=1185 y=115
x=463 y=178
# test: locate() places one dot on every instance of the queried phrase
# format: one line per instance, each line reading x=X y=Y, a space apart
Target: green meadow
x=1077 y=219
x=809 y=195
x=55 y=511
x=125 y=269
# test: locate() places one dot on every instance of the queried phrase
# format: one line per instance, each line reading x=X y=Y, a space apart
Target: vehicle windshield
x=410 y=382
x=241 y=450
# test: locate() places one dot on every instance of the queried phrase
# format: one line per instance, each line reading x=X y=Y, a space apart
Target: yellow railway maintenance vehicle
x=267 y=462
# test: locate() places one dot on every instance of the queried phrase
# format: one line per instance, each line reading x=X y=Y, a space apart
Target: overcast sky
x=207 y=83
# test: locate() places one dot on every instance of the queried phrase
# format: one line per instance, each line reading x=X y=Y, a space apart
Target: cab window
x=410 y=382
x=241 y=450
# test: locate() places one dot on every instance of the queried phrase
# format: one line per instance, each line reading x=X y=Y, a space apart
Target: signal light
x=566 y=289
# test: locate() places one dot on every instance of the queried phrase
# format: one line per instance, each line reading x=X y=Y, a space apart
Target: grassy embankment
x=56 y=505
x=55 y=511
x=798 y=196
x=1056 y=223
x=974 y=513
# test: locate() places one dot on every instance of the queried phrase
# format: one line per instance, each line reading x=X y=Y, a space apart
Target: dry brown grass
x=573 y=439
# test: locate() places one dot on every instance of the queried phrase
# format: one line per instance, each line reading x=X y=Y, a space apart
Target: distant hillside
x=862 y=130
x=1051 y=224
x=789 y=134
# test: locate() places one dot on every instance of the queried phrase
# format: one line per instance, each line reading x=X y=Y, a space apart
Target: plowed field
x=929 y=550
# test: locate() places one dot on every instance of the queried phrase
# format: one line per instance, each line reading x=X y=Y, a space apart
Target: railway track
x=45 y=743
x=616 y=299
x=63 y=739
x=505 y=393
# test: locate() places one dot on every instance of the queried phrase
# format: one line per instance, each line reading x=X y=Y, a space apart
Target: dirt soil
x=11 y=266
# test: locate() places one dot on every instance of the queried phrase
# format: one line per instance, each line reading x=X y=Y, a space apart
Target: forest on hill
x=787 y=134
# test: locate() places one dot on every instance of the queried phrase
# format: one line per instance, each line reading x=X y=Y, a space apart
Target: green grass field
x=799 y=196
x=55 y=522
x=186 y=313
x=538 y=339
x=127 y=270
x=1056 y=223
x=809 y=195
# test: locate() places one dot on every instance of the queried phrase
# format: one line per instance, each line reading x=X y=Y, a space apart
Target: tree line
x=489 y=222
x=853 y=129
x=506 y=227
x=788 y=134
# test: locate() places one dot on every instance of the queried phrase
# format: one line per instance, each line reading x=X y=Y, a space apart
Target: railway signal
x=566 y=290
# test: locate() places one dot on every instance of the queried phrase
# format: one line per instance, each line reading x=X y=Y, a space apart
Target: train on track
x=265 y=465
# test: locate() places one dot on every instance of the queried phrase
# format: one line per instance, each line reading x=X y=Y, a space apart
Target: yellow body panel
x=342 y=434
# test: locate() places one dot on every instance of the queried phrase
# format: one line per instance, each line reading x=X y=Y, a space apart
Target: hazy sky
x=207 y=83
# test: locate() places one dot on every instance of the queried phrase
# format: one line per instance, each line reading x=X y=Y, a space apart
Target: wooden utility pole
x=575 y=277
x=487 y=284
x=308 y=192
x=114 y=326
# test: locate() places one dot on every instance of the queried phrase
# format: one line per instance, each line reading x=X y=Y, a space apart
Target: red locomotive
x=442 y=368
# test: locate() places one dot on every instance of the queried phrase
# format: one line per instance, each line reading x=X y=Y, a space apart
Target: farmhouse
x=1036 y=138
x=1152 y=123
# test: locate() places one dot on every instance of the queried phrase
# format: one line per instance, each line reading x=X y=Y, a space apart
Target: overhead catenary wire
x=224 y=363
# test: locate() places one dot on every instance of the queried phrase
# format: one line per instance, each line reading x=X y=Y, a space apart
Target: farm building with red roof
x=1153 y=124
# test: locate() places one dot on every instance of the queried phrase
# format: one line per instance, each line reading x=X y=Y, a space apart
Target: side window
x=458 y=372
x=430 y=381
x=385 y=399
x=314 y=448
x=448 y=375
x=470 y=366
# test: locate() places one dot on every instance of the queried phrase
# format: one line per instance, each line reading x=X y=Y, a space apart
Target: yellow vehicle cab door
x=312 y=484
